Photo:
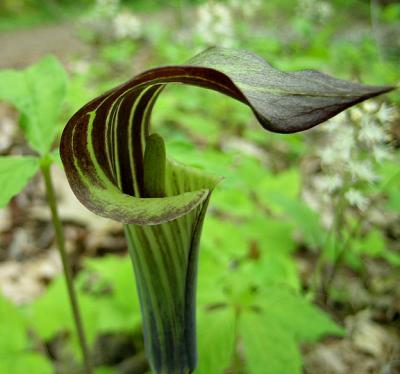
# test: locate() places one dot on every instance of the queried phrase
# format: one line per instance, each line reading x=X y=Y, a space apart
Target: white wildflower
x=335 y=123
x=126 y=25
x=381 y=153
x=324 y=10
x=106 y=8
x=327 y=155
x=362 y=170
x=356 y=114
x=350 y=148
x=81 y=67
x=248 y=8
x=338 y=148
x=215 y=24
x=386 y=114
x=344 y=142
x=370 y=133
x=356 y=198
x=328 y=183
x=315 y=9
x=370 y=106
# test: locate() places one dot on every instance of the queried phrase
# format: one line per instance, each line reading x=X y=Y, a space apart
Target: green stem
x=338 y=226
x=317 y=274
x=339 y=257
x=52 y=202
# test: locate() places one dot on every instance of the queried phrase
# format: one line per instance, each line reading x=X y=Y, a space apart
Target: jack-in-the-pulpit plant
x=119 y=169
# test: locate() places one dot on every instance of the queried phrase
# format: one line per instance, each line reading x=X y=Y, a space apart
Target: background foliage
x=300 y=253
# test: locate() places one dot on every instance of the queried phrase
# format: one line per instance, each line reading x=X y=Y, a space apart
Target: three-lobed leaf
x=38 y=93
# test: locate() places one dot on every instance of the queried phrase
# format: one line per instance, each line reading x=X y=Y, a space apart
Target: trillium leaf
x=103 y=144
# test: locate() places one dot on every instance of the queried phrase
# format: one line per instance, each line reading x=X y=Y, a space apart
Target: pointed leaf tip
x=286 y=102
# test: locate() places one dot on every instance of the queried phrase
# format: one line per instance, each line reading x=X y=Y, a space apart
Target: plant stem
x=52 y=202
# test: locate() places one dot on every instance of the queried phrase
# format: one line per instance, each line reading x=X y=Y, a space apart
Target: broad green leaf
x=15 y=173
x=116 y=300
x=12 y=329
x=296 y=315
x=223 y=240
x=390 y=182
x=211 y=282
x=392 y=257
x=302 y=217
x=20 y=363
x=51 y=314
x=274 y=269
x=373 y=244
x=216 y=330
x=272 y=235
x=393 y=202
x=225 y=198
x=38 y=93
x=268 y=347
x=286 y=183
x=14 y=344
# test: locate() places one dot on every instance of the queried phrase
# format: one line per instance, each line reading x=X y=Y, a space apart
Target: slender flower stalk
x=350 y=149
x=119 y=169
x=52 y=202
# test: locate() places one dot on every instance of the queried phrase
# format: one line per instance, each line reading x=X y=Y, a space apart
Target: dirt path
x=21 y=48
